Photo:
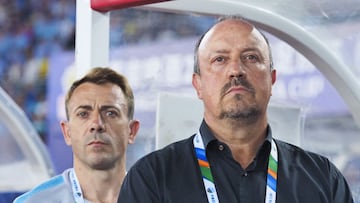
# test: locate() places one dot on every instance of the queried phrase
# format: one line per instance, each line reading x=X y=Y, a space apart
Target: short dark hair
x=223 y=18
x=102 y=75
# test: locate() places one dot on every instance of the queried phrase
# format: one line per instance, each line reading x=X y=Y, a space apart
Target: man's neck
x=243 y=140
x=100 y=186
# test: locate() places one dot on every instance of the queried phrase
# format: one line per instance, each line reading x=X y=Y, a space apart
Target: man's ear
x=66 y=132
x=273 y=76
x=134 y=126
x=197 y=84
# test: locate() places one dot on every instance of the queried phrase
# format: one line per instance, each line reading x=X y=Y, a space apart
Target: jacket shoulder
x=55 y=188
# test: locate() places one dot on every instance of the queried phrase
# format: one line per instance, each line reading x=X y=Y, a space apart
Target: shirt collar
x=208 y=136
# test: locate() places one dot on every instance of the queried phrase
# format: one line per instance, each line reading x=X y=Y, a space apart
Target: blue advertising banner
x=60 y=153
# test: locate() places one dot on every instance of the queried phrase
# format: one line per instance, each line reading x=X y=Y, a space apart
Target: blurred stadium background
x=37 y=53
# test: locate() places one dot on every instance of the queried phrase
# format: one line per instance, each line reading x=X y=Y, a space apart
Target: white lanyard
x=208 y=180
x=76 y=189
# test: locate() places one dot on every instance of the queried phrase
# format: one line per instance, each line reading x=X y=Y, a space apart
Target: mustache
x=237 y=81
x=98 y=137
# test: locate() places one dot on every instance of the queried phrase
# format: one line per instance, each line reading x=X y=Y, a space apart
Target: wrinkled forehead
x=104 y=94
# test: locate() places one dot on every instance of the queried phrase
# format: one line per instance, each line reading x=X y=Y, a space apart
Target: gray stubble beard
x=247 y=116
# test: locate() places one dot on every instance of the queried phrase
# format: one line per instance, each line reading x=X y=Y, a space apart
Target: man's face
x=98 y=128
x=235 y=80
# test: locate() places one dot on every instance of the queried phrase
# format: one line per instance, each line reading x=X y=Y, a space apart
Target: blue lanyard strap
x=205 y=169
x=208 y=179
x=76 y=189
